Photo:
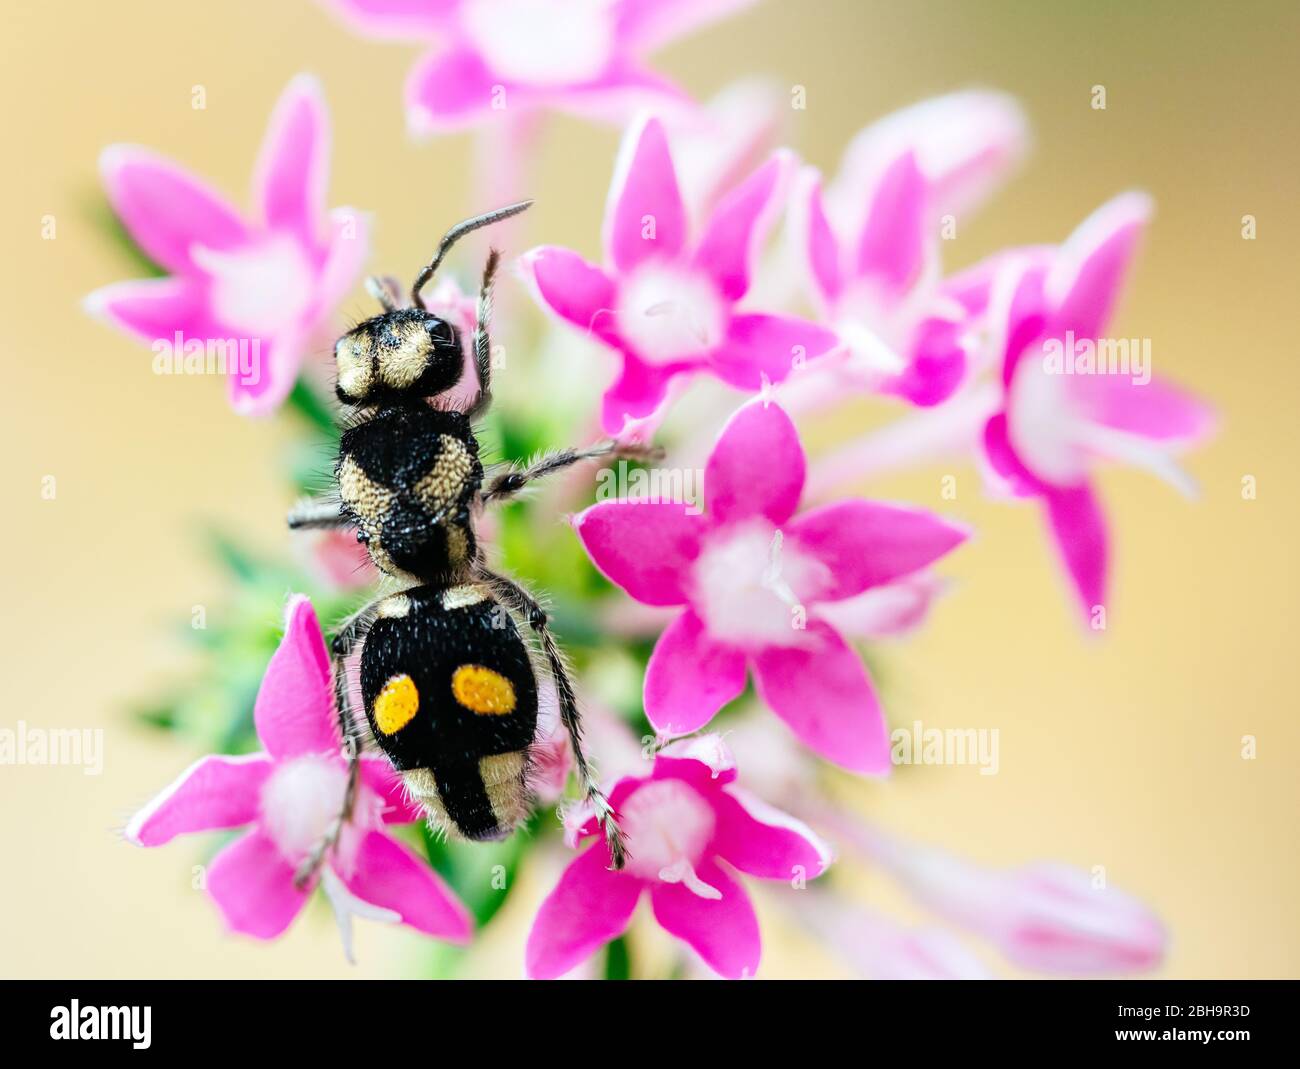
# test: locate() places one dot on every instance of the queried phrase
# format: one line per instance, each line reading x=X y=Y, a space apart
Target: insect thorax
x=407 y=477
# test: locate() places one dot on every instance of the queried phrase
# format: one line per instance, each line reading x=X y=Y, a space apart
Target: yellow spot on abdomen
x=482 y=690
x=396 y=705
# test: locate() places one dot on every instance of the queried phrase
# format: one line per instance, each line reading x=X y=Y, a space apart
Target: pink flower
x=263 y=286
x=582 y=56
x=879 y=948
x=753 y=578
x=667 y=305
x=872 y=247
x=688 y=827
x=1058 y=415
x=1046 y=917
x=290 y=793
x=716 y=146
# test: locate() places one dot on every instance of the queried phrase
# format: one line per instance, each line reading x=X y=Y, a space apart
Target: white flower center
x=747 y=585
x=542 y=42
x=667 y=312
x=1044 y=425
x=301 y=800
x=260 y=288
x=668 y=828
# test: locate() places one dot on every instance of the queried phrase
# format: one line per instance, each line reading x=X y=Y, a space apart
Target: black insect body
x=447 y=680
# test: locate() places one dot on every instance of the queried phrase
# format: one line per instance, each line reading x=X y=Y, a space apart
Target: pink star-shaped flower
x=1052 y=424
x=290 y=793
x=754 y=579
x=689 y=827
x=269 y=283
x=872 y=243
x=665 y=304
x=513 y=56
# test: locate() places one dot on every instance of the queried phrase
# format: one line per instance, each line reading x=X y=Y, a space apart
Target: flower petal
x=1079 y=529
x=892 y=244
x=252 y=884
x=448 y=91
x=574 y=289
x=723 y=931
x=292 y=171
x=588 y=907
x=155 y=309
x=757 y=467
x=936 y=363
x=647 y=24
x=644 y=547
x=217 y=791
x=644 y=215
x=1084 y=280
x=345 y=258
x=294 y=711
x=690 y=677
x=965 y=142
x=270 y=378
x=395 y=19
x=165 y=209
x=823 y=692
x=1157 y=410
x=864 y=544
x=763 y=841
x=382 y=781
x=387 y=874
x=818 y=239
x=768 y=346
x=736 y=231
x=639 y=393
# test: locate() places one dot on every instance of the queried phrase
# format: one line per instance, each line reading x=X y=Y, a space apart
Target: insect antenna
x=454 y=235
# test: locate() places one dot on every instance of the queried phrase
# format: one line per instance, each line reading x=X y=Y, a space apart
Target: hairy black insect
x=448 y=682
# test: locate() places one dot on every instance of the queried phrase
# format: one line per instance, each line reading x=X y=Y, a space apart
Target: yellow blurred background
x=1123 y=752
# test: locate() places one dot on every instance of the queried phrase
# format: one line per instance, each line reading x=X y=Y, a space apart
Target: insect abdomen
x=451 y=698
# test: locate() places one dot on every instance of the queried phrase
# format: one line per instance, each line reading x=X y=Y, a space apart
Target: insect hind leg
x=515 y=596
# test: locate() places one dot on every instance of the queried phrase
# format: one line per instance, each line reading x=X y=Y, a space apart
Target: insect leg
x=481 y=344
x=386 y=290
x=352 y=631
x=318 y=513
x=515 y=596
x=509 y=483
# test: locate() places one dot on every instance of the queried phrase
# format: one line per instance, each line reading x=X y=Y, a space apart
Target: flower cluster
x=768 y=575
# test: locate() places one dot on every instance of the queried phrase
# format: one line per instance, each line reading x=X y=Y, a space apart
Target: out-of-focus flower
x=879 y=948
x=753 y=577
x=715 y=146
x=584 y=56
x=1063 y=406
x=336 y=558
x=871 y=244
x=1046 y=917
x=688 y=826
x=291 y=793
x=667 y=305
x=252 y=291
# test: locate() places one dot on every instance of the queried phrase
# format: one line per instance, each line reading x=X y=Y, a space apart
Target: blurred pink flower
x=1047 y=917
x=267 y=283
x=583 y=56
x=665 y=304
x=714 y=147
x=872 y=243
x=290 y=793
x=879 y=948
x=688 y=828
x=1055 y=420
x=753 y=578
